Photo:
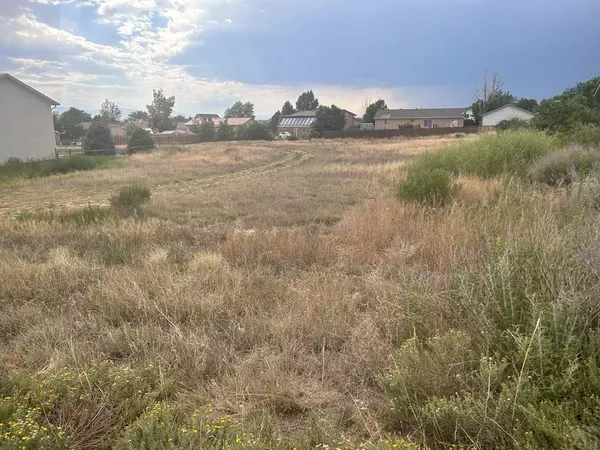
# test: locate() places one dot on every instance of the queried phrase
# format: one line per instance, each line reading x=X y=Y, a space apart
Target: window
x=427 y=123
x=412 y=120
x=385 y=121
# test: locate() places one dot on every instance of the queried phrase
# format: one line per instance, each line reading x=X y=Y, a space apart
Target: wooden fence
x=160 y=140
x=397 y=132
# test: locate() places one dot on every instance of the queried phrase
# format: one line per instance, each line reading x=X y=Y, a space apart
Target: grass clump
x=565 y=166
x=129 y=199
x=89 y=215
x=432 y=187
x=490 y=155
x=15 y=168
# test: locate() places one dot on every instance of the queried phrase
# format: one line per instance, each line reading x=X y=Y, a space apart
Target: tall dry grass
x=302 y=332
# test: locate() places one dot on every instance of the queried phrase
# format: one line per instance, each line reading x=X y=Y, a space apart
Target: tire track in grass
x=11 y=204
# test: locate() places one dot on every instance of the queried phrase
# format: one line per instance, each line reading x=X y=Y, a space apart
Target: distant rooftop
x=421 y=113
x=311 y=113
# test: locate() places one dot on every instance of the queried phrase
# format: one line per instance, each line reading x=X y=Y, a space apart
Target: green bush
x=292 y=137
x=588 y=135
x=139 y=140
x=565 y=166
x=522 y=370
x=427 y=186
x=254 y=132
x=491 y=155
x=15 y=168
x=513 y=124
x=76 y=408
x=98 y=140
x=130 y=198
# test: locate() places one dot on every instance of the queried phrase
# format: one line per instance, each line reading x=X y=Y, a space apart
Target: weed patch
x=16 y=168
x=129 y=199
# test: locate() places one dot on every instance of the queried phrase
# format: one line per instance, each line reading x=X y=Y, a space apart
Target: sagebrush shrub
x=431 y=187
x=130 y=198
x=565 y=166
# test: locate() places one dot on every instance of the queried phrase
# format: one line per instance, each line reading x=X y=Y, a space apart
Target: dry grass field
x=266 y=287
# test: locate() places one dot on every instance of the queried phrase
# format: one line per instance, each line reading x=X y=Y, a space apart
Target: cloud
x=79 y=71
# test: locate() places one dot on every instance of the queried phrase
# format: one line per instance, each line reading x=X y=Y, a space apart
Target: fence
x=397 y=132
x=160 y=140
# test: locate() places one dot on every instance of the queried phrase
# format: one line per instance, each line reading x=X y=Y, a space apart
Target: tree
x=287 y=109
x=562 y=114
x=139 y=140
x=490 y=96
x=225 y=131
x=529 y=104
x=369 y=116
x=584 y=92
x=137 y=116
x=98 y=140
x=329 y=118
x=576 y=106
x=130 y=128
x=69 y=123
x=159 y=111
x=239 y=109
x=307 y=102
x=254 y=132
x=180 y=118
x=110 y=112
x=275 y=121
x=205 y=131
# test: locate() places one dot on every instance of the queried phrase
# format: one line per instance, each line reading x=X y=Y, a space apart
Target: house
x=26 y=125
x=206 y=116
x=116 y=129
x=300 y=123
x=506 y=112
x=392 y=119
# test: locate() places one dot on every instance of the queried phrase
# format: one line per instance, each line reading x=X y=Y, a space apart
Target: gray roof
x=206 y=116
x=312 y=113
x=10 y=77
x=296 y=122
x=421 y=113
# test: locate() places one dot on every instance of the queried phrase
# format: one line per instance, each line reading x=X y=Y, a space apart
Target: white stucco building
x=26 y=126
x=493 y=118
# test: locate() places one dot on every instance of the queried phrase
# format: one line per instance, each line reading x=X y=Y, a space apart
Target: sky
x=211 y=53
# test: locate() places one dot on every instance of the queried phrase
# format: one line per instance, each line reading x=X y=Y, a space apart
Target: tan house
x=392 y=119
x=300 y=123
